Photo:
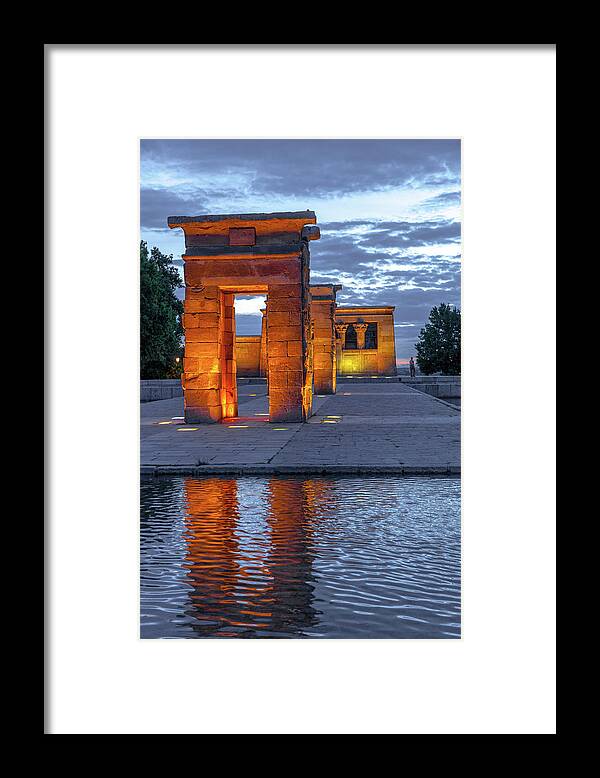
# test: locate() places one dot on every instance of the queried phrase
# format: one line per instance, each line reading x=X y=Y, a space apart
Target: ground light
x=165 y=422
x=187 y=429
x=279 y=428
x=237 y=426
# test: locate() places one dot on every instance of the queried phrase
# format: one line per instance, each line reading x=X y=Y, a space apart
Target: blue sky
x=389 y=212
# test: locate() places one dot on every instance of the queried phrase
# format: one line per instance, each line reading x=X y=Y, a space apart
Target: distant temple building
x=365 y=340
x=359 y=339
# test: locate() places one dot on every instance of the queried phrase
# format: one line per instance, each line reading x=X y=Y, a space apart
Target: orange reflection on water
x=265 y=583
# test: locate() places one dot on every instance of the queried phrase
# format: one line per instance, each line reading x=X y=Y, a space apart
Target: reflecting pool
x=298 y=557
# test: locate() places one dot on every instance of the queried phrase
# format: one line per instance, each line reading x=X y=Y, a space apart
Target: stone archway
x=246 y=253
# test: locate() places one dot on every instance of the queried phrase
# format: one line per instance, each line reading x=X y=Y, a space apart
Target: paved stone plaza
x=364 y=428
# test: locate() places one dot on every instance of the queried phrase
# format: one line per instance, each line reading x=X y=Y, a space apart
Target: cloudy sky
x=389 y=212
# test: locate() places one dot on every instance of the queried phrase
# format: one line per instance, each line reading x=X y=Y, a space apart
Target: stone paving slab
x=371 y=428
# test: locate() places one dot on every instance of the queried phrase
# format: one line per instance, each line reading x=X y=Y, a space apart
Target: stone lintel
x=324 y=291
x=352 y=310
x=306 y=217
x=243 y=252
x=246 y=233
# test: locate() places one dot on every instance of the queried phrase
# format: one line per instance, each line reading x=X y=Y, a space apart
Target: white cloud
x=249 y=306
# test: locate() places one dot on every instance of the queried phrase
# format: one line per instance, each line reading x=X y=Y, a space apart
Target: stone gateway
x=306 y=338
x=231 y=254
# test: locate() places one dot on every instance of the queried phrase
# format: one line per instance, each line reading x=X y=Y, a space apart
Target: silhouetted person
x=411 y=367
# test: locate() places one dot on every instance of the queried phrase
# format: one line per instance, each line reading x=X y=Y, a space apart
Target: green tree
x=161 y=331
x=438 y=346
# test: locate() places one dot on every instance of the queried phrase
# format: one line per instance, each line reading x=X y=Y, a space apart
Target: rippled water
x=300 y=557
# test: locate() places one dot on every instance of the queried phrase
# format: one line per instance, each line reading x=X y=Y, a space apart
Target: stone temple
x=366 y=344
x=362 y=341
x=306 y=339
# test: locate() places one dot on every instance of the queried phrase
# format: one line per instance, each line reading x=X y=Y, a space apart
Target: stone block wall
x=247 y=355
x=160 y=389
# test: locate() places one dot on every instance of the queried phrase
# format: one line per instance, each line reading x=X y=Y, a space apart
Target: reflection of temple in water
x=263 y=583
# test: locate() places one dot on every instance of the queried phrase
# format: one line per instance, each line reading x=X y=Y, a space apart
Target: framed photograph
x=265 y=306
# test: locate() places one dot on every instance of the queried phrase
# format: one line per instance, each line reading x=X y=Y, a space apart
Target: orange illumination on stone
x=220 y=261
x=323 y=307
x=366 y=357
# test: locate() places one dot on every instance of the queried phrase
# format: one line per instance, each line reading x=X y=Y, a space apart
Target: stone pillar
x=263 y=363
x=285 y=353
x=340 y=337
x=324 y=341
x=203 y=322
x=361 y=329
x=229 y=402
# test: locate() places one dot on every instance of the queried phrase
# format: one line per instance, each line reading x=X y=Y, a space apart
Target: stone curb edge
x=156 y=470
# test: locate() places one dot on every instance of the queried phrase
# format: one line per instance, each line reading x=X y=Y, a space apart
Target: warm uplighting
x=329 y=421
x=187 y=429
x=237 y=426
x=165 y=422
x=330 y=416
x=251 y=395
